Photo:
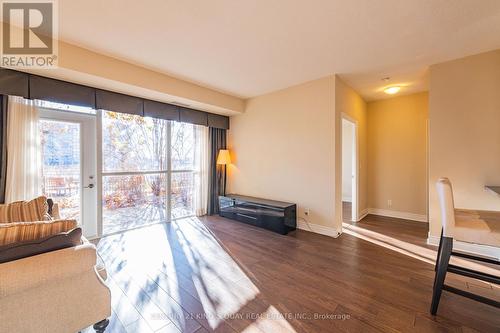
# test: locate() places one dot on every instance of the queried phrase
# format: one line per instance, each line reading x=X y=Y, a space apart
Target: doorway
x=68 y=142
x=349 y=169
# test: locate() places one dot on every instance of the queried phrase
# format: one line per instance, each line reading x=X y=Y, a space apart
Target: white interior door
x=350 y=166
x=69 y=165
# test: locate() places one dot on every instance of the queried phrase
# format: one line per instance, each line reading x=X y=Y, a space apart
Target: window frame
x=168 y=172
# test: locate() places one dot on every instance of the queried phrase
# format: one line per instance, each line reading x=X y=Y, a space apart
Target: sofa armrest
x=31 y=272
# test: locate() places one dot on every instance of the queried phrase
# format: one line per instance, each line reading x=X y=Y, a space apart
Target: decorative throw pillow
x=27 y=231
x=31 y=248
x=25 y=211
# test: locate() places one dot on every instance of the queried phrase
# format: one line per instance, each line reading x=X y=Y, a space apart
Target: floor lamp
x=224 y=159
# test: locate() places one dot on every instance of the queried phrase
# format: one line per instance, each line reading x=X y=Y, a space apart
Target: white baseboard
x=318 y=229
x=346 y=198
x=484 y=250
x=363 y=214
x=398 y=214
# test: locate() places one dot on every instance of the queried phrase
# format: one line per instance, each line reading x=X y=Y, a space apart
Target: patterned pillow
x=25 y=211
x=25 y=249
x=25 y=231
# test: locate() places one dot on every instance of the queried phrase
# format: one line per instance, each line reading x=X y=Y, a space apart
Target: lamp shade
x=223 y=158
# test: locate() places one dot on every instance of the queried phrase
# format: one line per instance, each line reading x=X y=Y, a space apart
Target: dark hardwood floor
x=413 y=232
x=216 y=275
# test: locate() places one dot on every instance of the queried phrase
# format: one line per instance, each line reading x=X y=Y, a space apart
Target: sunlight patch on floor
x=185 y=261
x=412 y=250
x=409 y=249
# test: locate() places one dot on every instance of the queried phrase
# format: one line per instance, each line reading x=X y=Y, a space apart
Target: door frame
x=355 y=166
x=88 y=164
x=99 y=171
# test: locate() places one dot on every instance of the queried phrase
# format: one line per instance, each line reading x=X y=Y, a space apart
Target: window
x=152 y=170
x=148 y=170
x=183 y=165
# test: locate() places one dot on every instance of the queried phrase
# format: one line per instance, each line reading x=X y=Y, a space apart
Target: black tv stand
x=273 y=215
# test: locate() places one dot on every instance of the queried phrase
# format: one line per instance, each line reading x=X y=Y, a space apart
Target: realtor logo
x=29 y=34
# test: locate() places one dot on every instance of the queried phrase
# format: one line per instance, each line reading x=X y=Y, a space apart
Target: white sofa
x=61 y=291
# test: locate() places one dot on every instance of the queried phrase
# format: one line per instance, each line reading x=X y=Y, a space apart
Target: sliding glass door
x=68 y=142
x=147 y=171
x=150 y=170
x=61 y=165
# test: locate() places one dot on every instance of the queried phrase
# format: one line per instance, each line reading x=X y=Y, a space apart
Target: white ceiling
x=248 y=48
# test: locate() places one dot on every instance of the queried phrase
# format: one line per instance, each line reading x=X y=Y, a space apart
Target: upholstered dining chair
x=473 y=229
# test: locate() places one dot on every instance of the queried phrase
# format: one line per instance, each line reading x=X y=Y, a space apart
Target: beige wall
x=84 y=61
x=283 y=148
x=397 y=154
x=464 y=109
x=350 y=103
x=79 y=65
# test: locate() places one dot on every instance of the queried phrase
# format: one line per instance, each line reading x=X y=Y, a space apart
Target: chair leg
x=100 y=327
x=439 y=250
x=442 y=267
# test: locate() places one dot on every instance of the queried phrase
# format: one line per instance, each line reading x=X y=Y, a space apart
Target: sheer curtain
x=201 y=171
x=24 y=158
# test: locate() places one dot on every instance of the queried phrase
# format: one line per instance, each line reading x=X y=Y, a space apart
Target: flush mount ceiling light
x=392 y=90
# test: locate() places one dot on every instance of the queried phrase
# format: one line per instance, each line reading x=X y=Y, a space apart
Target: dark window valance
x=218 y=121
x=22 y=84
x=14 y=83
x=107 y=100
x=193 y=116
x=61 y=92
x=161 y=110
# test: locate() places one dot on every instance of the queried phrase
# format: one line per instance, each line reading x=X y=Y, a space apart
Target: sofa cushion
x=25 y=211
x=26 y=231
x=33 y=247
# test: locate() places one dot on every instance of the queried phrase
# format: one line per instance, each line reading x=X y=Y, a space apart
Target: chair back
x=447 y=206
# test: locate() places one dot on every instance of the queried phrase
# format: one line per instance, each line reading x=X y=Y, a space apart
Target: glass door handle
x=90 y=186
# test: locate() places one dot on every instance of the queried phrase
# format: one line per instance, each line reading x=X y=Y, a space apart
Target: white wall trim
x=398 y=214
x=484 y=250
x=363 y=213
x=318 y=229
